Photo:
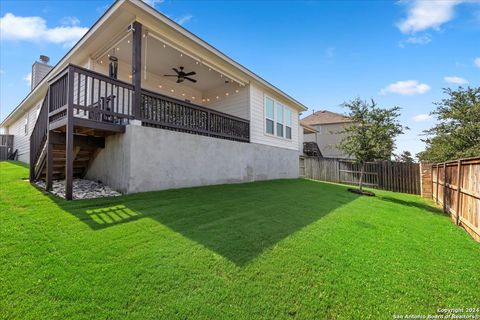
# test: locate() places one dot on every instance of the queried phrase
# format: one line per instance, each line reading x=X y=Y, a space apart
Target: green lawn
x=285 y=249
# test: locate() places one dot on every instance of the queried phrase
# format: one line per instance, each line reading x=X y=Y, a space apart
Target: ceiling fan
x=181 y=75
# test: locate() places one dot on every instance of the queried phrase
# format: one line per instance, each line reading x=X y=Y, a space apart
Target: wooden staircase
x=81 y=162
x=311 y=149
x=84 y=151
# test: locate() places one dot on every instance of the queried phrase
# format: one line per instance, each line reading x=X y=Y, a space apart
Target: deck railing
x=39 y=135
x=99 y=98
x=95 y=97
x=161 y=111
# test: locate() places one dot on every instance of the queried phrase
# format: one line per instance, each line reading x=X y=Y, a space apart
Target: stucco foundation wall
x=148 y=159
x=112 y=164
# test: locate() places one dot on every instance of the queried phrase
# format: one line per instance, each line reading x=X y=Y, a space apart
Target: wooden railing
x=161 y=111
x=39 y=136
x=99 y=98
x=95 y=97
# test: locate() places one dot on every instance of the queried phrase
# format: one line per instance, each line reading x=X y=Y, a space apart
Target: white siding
x=235 y=104
x=300 y=140
x=21 y=141
x=257 y=122
x=327 y=137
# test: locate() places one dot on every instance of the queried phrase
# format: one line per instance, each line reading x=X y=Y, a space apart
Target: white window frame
x=276 y=104
x=265 y=117
x=26 y=123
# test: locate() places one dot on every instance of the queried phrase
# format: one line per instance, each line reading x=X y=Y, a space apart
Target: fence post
x=438 y=182
x=444 y=187
x=459 y=181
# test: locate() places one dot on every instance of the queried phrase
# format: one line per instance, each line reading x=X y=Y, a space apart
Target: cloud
x=183 y=19
x=2 y=71
x=70 y=21
x=455 y=80
x=476 y=62
x=330 y=52
x=28 y=78
x=420 y=40
x=34 y=29
x=422 y=117
x=407 y=87
x=152 y=3
x=423 y=15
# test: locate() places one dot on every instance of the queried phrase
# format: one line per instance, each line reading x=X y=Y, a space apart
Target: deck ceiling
x=160 y=58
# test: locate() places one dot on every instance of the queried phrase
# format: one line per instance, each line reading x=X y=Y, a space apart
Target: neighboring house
x=107 y=111
x=328 y=125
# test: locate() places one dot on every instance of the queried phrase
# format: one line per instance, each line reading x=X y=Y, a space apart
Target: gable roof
x=144 y=9
x=325 y=117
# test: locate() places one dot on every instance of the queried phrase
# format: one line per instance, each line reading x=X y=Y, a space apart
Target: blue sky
x=322 y=53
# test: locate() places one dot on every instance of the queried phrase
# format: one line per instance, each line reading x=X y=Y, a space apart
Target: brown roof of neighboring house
x=307 y=128
x=325 y=117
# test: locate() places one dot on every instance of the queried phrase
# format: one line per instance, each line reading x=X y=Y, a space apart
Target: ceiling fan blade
x=176 y=70
x=190 y=73
x=170 y=75
x=193 y=80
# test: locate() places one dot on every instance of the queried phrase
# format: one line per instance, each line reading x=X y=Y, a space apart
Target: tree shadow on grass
x=237 y=221
x=416 y=204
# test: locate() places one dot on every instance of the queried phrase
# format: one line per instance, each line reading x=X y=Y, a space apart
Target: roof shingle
x=325 y=117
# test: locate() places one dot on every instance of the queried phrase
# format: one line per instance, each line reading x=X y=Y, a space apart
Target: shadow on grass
x=423 y=206
x=237 y=221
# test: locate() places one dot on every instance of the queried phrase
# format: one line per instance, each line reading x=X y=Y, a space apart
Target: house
x=142 y=104
x=328 y=126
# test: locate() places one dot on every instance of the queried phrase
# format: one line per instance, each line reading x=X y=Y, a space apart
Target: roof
x=307 y=128
x=145 y=9
x=325 y=117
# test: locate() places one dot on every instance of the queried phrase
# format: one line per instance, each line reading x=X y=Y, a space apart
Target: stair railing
x=38 y=137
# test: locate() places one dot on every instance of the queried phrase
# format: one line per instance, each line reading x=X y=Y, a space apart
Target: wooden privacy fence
x=386 y=175
x=456 y=186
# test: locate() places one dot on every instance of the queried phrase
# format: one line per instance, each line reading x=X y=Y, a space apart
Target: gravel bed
x=82 y=189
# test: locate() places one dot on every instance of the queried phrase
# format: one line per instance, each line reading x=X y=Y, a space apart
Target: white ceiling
x=161 y=58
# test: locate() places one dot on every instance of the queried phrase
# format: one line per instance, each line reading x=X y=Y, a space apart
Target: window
x=288 y=123
x=278 y=119
x=25 y=126
x=269 y=119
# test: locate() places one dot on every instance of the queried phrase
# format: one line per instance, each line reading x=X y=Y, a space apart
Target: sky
x=323 y=53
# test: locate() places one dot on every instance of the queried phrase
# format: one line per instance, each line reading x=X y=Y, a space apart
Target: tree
x=372 y=137
x=457 y=131
x=405 y=156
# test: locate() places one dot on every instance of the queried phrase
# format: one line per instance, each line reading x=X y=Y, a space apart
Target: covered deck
x=101 y=100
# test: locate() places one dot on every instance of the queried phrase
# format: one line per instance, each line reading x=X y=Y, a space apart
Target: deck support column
x=49 y=174
x=69 y=139
x=137 y=69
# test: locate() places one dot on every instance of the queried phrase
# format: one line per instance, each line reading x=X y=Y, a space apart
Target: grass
x=288 y=249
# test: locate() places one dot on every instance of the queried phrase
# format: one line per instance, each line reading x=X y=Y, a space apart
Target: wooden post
x=49 y=174
x=459 y=180
x=137 y=68
x=69 y=138
x=436 y=197
x=444 y=187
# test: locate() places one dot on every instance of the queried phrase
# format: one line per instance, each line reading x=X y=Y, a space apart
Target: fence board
x=386 y=175
x=456 y=186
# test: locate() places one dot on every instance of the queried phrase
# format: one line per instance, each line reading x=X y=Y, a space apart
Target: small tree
x=457 y=131
x=372 y=136
x=405 y=156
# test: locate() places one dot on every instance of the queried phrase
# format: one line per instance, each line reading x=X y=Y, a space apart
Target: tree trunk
x=360 y=182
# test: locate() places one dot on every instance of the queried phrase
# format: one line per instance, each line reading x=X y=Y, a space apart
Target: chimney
x=40 y=70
